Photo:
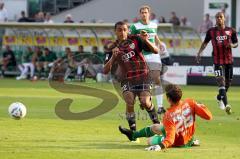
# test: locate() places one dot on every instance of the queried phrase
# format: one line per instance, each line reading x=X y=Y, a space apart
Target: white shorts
x=153 y=61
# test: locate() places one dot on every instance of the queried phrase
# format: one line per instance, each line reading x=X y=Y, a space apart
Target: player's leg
x=21 y=68
x=50 y=75
x=129 y=98
x=25 y=71
x=145 y=101
x=4 y=66
x=39 y=66
x=67 y=73
x=155 y=76
x=155 y=140
x=219 y=74
x=79 y=71
x=144 y=132
x=228 y=76
x=228 y=80
x=32 y=69
x=46 y=68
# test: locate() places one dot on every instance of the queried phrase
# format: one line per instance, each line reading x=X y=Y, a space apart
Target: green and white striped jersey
x=150 y=28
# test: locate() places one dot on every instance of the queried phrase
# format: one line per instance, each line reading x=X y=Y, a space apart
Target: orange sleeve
x=201 y=110
x=170 y=129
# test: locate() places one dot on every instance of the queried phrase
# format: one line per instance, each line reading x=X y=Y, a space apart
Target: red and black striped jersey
x=220 y=38
x=130 y=59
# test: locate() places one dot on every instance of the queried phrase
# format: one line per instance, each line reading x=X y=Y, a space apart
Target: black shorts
x=136 y=87
x=224 y=70
x=167 y=61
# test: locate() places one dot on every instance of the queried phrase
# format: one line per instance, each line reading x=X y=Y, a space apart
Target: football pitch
x=42 y=134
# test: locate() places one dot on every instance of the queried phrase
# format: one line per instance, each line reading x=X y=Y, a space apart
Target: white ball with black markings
x=17 y=110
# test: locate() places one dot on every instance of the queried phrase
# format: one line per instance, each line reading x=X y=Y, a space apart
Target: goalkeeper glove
x=154 y=148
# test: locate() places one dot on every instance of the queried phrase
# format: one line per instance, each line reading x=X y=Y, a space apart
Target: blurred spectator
x=3 y=13
x=80 y=54
x=162 y=19
x=206 y=24
x=92 y=64
x=40 y=17
x=174 y=19
x=126 y=21
x=81 y=61
x=68 y=59
x=93 y=21
x=62 y=67
x=27 y=64
x=97 y=61
x=69 y=19
x=3 y=18
x=23 y=17
x=184 y=22
x=81 y=21
x=8 y=60
x=49 y=58
x=97 y=56
x=226 y=16
x=80 y=49
x=48 y=19
x=38 y=61
x=153 y=18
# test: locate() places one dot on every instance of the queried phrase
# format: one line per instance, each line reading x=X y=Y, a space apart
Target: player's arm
x=234 y=40
x=170 y=129
x=34 y=58
x=149 y=45
x=157 y=40
x=201 y=110
x=108 y=65
x=203 y=46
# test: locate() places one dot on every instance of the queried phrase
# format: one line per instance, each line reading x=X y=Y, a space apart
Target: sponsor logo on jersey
x=128 y=55
x=132 y=46
x=221 y=38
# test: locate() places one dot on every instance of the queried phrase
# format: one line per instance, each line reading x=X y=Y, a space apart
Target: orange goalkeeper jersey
x=179 y=122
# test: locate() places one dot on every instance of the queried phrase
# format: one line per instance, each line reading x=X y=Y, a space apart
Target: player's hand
x=153 y=148
x=198 y=58
x=115 y=52
x=161 y=50
x=228 y=46
x=144 y=35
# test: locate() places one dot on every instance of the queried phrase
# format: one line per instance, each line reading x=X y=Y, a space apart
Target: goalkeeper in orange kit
x=178 y=125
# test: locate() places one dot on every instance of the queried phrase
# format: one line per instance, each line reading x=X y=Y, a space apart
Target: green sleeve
x=132 y=29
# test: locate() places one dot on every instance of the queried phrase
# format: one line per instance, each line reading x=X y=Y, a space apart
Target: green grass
x=43 y=135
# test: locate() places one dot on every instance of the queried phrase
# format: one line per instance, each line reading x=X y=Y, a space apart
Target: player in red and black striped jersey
x=223 y=39
x=133 y=69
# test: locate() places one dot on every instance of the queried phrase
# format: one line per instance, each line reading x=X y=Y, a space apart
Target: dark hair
x=218 y=13
x=119 y=23
x=23 y=12
x=95 y=47
x=173 y=92
x=68 y=48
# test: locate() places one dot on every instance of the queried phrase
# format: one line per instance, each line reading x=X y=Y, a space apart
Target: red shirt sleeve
x=234 y=36
x=208 y=36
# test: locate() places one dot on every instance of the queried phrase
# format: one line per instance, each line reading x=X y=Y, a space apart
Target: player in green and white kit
x=153 y=60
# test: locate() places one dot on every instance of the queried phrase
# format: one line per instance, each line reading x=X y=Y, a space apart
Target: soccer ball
x=17 y=110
